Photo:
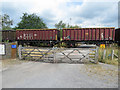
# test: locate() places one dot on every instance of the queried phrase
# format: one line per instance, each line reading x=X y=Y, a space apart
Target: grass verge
x=108 y=56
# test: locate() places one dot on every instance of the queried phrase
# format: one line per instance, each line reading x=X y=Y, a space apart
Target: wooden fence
x=69 y=55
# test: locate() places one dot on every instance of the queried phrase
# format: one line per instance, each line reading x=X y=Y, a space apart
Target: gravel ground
x=48 y=75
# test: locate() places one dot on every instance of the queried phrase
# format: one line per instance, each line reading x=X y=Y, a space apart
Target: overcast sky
x=85 y=13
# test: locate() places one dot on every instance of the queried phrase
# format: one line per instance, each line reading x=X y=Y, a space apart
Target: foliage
x=31 y=21
x=6 y=22
x=70 y=26
x=61 y=25
x=108 y=59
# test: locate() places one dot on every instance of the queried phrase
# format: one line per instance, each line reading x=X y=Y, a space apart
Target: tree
x=6 y=22
x=70 y=26
x=61 y=25
x=31 y=21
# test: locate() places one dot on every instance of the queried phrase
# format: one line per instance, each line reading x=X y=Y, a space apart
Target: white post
x=20 y=54
x=54 y=57
x=96 y=55
x=104 y=54
x=112 y=54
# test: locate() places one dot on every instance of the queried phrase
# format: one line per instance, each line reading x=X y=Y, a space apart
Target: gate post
x=112 y=54
x=96 y=55
x=104 y=54
x=13 y=50
x=54 y=56
x=19 y=51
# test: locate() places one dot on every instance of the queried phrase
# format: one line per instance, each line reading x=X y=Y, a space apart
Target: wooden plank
x=115 y=55
x=112 y=54
x=96 y=55
x=13 y=51
x=104 y=54
x=20 y=54
x=32 y=54
x=92 y=55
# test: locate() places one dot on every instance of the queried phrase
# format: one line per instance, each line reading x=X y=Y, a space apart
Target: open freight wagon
x=8 y=35
x=117 y=36
x=88 y=35
x=37 y=36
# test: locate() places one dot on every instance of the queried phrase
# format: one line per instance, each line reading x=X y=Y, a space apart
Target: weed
x=107 y=59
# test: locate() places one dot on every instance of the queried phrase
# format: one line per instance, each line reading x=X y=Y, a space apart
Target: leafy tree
x=31 y=21
x=61 y=25
x=70 y=26
x=6 y=22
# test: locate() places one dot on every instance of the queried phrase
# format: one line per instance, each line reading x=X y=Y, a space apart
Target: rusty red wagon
x=88 y=35
x=8 y=35
x=117 y=36
x=33 y=36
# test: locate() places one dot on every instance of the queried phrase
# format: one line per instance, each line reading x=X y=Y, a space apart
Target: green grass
x=108 y=59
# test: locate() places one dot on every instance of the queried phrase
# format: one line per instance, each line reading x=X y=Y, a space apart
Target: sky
x=84 y=13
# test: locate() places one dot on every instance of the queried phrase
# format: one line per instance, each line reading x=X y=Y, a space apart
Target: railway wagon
x=37 y=36
x=88 y=35
x=117 y=36
x=8 y=35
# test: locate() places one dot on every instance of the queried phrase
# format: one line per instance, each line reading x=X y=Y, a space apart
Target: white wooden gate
x=67 y=55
